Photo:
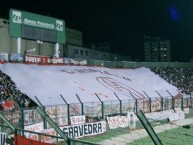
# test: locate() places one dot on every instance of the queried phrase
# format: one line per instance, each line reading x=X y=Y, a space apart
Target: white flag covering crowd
x=48 y=83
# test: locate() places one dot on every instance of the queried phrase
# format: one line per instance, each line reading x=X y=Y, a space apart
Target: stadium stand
x=111 y=110
x=8 y=90
x=182 y=78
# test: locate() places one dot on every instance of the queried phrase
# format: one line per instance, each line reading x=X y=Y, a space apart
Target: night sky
x=122 y=23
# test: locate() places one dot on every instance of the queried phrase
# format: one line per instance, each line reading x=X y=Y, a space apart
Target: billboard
x=36 y=27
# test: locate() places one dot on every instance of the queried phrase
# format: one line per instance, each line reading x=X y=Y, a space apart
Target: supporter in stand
x=182 y=78
x=8 y=90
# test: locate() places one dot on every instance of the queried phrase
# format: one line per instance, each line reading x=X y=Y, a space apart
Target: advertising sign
x=23 y=23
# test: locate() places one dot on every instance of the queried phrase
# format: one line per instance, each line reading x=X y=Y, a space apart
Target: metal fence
x=7 y=136
x=96 y=111
x=24 y=119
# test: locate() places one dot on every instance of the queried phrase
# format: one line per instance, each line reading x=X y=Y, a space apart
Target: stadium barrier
x=32 y=137
x=94 y=111
x=29 y=119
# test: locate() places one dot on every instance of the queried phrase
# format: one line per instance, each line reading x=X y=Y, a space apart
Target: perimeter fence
x=30 y=124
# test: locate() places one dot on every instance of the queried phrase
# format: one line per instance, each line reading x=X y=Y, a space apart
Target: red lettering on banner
x=43 y=60
x=34 y=137
x=56 y=60
x=116 y=86
x=32 y=59
x=49 y=132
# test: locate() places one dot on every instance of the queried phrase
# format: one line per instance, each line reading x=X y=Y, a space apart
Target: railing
x=94 y=111
x=40 y=137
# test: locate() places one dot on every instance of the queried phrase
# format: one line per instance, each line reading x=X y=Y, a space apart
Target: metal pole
x=172 y=100
x=191 y=101
x=102 y=105
x=149 y=101
x=162 y=101
x=43 y=107
x=82 y=107
x=182 y=103
x=39 y=102
x=120 y=103
x=68 y=109
x=136 y=104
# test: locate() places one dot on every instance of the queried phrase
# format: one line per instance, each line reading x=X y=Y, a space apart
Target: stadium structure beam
x=148 y=128
x=40 y=104
x=68 y=108
x=162 y=101
x=149 y=101
x=120 y=102
x=172 y=99
x=102 y=107
x=82 y=107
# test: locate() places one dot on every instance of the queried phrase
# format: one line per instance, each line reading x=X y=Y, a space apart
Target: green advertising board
x=36 y=27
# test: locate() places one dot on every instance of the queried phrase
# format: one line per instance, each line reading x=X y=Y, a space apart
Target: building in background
x=157 y=49
x=73 y=48
x=74 y=37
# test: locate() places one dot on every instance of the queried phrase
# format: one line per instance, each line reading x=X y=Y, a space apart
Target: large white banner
x=154 y=116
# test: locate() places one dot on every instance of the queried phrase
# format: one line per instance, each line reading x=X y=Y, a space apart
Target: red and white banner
x=58 y=114
x=49 y=139
x=77 y=119
x=43 y=59
x=31 y=116
x=159 y=115
x=73 y=131
x=117 y=121
x=35 y=127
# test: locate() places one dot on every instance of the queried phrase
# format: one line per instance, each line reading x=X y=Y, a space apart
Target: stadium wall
x=8 y=45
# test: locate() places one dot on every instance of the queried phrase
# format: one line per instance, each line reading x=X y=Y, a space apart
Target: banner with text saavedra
x=87 y=129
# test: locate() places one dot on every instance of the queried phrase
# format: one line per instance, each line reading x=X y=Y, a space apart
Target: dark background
x=122 y=23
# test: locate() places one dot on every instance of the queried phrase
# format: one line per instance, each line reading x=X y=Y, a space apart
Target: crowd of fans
x=9 y=91
x=182 y=78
